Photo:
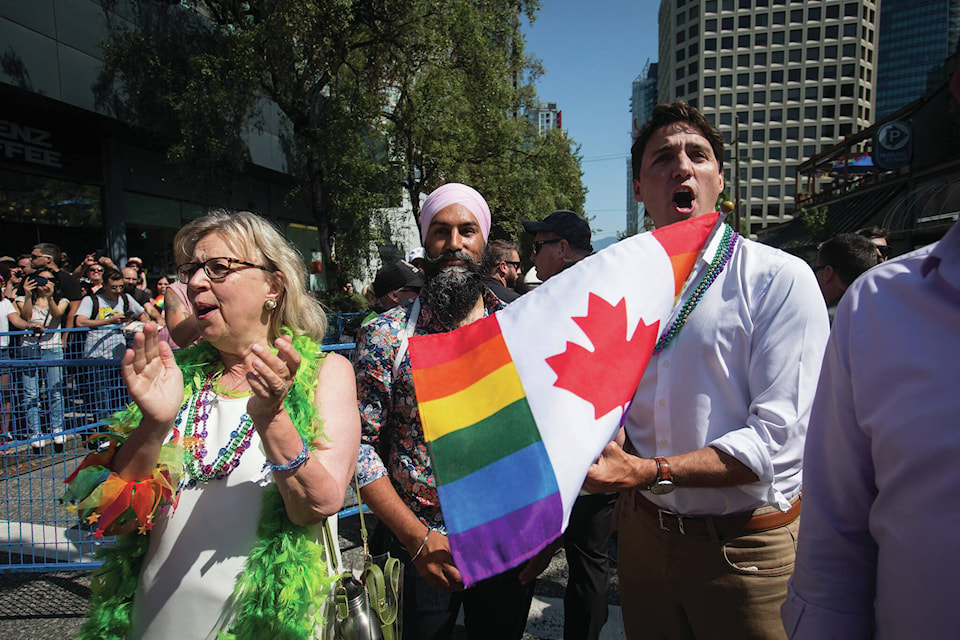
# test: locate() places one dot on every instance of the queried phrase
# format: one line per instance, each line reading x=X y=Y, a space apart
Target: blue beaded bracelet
x=293 y=464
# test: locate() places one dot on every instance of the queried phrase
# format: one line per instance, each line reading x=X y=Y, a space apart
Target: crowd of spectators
x=46 y=300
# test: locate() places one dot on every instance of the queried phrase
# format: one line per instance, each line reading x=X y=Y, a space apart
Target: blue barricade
x=51 y=400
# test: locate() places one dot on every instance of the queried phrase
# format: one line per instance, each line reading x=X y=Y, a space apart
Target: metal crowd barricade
x=37 y=533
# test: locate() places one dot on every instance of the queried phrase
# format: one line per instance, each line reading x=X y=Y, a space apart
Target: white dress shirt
x=877 y=553
x=740 y=376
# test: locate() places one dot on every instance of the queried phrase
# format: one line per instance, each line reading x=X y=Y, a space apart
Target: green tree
x=814 y=221
x=203 y=73
x=531 y=179
x=458 y=115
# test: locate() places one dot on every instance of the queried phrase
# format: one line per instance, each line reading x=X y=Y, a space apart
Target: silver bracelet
x=422 y=545
x=293 y=464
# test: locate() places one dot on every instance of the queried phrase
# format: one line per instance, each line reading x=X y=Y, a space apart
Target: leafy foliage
x=367 y=96
x=814 y=220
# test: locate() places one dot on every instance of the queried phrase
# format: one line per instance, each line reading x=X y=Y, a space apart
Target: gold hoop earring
x=270 y=304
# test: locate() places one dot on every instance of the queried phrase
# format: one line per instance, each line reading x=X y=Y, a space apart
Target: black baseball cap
x=566 y=224
x=396 y=275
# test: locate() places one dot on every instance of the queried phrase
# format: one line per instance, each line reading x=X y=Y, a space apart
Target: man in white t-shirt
x=106 y=315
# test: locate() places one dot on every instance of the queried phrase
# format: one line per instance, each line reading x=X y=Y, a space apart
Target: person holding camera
x=44 y=309
x=106 y=313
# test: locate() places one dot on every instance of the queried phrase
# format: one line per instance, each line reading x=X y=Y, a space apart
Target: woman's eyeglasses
x=215 y=268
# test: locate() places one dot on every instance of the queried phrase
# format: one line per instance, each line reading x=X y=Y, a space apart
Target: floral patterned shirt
x=392 y=442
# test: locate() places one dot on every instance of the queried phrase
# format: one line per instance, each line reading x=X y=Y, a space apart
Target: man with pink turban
x=396 y=476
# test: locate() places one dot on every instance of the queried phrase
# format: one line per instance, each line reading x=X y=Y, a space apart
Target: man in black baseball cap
x=396 y=283
x=562 y=239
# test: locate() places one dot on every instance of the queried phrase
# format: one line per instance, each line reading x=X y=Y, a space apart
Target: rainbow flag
x=516 y=407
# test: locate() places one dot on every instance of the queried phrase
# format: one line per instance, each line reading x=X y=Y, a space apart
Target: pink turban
x=455 y=193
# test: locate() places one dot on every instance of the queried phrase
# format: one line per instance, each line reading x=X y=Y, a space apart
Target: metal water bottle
x=357 y=622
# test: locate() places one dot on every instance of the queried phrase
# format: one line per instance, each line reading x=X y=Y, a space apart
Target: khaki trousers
x=683 y=587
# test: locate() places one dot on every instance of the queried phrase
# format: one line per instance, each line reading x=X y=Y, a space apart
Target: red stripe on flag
x=438 y=348
x=456 y=375
x=687 y=236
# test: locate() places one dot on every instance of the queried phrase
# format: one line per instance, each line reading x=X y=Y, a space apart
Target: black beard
x=452 y=291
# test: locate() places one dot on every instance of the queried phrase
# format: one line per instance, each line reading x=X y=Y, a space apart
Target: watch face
x=662 y=487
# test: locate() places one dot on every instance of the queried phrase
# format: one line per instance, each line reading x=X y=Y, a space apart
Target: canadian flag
x=516 y=407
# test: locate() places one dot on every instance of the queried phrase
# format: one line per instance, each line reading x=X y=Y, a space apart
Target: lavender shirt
x=877 y=552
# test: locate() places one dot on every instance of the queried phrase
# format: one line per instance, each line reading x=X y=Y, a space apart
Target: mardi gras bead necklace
x=727 y=243
x=195 y=426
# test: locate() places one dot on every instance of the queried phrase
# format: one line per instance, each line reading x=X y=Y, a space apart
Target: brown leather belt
x=736 y=524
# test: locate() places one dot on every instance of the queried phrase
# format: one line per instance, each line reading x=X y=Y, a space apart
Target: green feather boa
x=279 y=593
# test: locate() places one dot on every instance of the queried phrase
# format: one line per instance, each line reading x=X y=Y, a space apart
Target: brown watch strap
x=663 y=470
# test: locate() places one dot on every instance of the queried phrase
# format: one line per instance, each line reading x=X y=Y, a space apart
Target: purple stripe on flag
x=498 y=545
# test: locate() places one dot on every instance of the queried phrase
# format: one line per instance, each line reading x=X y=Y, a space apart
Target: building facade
x=782 y=80
x=915 y=36
x=72 y=174
x=643 y=98
x=546 y=116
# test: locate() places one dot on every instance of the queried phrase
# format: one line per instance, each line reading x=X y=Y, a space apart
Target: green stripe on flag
x=464 y=451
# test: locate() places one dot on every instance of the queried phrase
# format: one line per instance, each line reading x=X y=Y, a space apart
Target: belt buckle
x=679 y=518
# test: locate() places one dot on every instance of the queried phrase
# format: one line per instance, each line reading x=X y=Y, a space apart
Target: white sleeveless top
x=197 y=552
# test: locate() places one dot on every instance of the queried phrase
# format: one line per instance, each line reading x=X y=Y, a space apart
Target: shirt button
x=666 y=364
x=662 y=403
x=663 y=442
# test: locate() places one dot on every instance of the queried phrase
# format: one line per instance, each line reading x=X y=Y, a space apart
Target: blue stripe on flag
x=518 y=480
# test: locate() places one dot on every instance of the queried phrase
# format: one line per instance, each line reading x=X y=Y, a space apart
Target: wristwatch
x=664 y=482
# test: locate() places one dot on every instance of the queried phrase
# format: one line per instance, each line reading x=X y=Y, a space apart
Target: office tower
x=789 y=77
x=915 y=37
x=546 y=116
x=643 y=99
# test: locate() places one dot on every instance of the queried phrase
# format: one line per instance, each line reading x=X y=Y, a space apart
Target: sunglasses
x=819 y=267
x=538 y=244
x=515 y=265
x=215 y=268
x=883 y=250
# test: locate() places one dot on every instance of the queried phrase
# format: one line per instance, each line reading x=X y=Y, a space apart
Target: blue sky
x=592 y=51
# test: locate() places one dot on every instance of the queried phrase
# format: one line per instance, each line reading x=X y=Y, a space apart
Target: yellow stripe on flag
x=471 y=405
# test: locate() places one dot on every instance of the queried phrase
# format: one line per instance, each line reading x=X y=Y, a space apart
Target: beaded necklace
x=195 y=425
x=727 y=243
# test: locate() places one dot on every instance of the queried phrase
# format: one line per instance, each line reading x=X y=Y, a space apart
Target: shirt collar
x=945 y=257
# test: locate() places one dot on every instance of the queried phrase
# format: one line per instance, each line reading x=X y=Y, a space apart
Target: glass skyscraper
x=915 y=38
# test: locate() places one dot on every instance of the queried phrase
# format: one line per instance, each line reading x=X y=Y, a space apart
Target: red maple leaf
x=608 y=375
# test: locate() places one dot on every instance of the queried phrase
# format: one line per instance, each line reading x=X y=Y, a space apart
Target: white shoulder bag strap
x=405 y=336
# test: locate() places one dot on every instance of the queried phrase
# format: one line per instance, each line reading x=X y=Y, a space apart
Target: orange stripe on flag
x=683 y=242
x=451 y=377
x=682 y=266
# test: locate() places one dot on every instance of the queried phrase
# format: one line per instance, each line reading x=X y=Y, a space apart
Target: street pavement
x=51 y=605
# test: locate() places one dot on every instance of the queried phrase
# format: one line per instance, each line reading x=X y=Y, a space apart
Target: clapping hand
x=270 y=377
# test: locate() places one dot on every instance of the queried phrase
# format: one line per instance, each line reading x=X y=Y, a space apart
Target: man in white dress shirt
x=710 y=472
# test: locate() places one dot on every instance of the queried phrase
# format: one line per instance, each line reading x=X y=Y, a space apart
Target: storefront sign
x=21 y=143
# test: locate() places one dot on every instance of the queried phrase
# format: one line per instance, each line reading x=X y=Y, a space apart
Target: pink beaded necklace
x=228 y=458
